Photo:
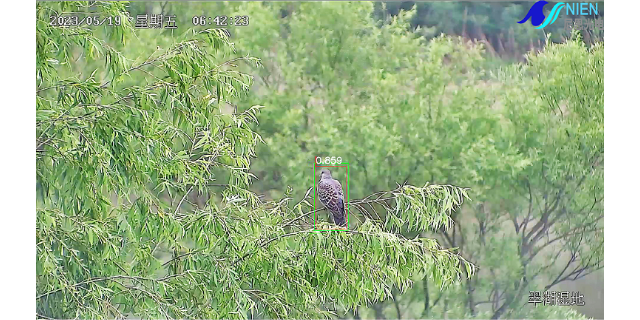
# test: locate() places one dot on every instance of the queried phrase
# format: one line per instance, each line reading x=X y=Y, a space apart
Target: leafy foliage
x=528 y=140
x=124 y=142
x=493 y=23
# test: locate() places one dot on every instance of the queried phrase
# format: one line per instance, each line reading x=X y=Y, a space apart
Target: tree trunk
x=377 y=307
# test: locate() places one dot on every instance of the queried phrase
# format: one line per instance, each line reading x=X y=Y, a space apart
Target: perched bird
x=330 y=194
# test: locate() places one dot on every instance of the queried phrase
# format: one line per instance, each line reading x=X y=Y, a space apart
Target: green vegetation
x=174 y=167
x=493 y=23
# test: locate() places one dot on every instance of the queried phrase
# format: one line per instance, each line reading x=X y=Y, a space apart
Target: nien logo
x=539 y=20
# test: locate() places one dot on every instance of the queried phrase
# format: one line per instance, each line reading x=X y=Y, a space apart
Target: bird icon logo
x=537 y=16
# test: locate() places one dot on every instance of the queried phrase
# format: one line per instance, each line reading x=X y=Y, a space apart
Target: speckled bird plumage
x=331 y=195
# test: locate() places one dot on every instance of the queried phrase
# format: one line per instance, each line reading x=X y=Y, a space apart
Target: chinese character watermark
x=142 y=21
x=171 y=22
x=155 y=21
x=556 y=298
x=583 y=24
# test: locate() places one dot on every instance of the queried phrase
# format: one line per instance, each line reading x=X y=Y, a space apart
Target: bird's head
x=325 y=174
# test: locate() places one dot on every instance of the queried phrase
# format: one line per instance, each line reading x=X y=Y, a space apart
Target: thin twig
x=182 y=200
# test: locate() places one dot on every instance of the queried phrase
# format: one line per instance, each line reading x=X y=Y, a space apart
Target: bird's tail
x=341 y=219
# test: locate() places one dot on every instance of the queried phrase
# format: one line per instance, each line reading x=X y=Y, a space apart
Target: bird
x=332 y=197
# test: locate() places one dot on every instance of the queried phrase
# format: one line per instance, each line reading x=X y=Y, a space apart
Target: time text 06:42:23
x=221 y=21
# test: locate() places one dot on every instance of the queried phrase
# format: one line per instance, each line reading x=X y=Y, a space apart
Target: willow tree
x=121 y=144
x=527 y=139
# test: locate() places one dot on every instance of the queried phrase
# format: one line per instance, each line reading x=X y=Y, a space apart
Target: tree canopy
x=115 y=163
x=174 y=167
